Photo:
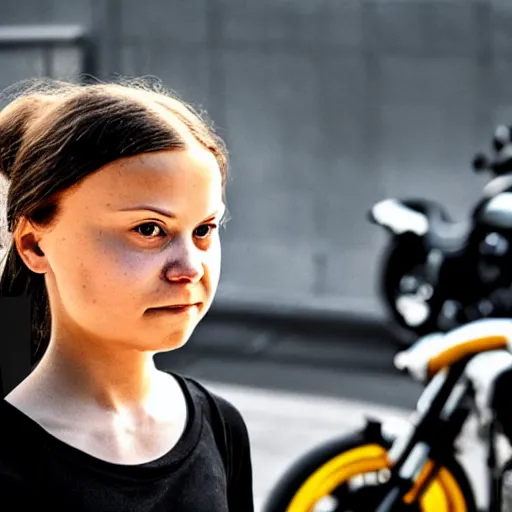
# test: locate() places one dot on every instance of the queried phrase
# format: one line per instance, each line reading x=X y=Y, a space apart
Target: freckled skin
x=103 y=277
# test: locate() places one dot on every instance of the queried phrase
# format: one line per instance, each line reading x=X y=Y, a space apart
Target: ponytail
x=16 y=279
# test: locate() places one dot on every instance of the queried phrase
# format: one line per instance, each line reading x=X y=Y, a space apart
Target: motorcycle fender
x=390 y=428
x=399 y=218
x=397 y=432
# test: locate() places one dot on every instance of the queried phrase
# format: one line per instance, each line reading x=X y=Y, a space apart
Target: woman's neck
x=111 y=380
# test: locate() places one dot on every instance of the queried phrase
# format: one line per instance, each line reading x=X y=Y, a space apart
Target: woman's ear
x=27 y=242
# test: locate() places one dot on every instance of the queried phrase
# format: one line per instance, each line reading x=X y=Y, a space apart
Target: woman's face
x=140 y=234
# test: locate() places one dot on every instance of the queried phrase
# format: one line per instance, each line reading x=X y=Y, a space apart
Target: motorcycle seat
x=448 y=236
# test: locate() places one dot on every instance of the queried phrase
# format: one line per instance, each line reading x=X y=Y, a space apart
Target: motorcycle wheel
x=404 y=257
x=324 y=480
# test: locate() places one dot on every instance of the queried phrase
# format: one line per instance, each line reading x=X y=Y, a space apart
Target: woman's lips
x=177 y=309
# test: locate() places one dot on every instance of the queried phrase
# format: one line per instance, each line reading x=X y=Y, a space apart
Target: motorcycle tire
x=321 y=480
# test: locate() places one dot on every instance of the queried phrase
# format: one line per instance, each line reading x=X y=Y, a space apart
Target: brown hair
x=53 y=134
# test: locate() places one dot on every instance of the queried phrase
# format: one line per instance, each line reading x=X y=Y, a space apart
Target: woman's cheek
x=214 y=261
x=133 y=269
x=125 y=260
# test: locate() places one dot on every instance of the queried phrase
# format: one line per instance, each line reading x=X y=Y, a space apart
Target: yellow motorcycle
x=413 y=466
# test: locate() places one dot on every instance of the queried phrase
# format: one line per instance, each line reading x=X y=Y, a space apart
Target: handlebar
x=500 y=166
x=502 y=149
x=480 y=163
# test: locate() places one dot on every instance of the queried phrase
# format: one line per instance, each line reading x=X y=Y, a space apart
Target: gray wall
x=327 y=106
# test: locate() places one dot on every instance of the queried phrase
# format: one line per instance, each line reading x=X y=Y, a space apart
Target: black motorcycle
x=435 y=268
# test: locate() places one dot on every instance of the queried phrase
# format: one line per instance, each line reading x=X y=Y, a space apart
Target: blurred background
x=327 y=106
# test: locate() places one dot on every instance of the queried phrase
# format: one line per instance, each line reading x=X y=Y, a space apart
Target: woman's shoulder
x=18 y=446
x=17 y=431
x=214 y=404
x=234 y=444
x=11 y=421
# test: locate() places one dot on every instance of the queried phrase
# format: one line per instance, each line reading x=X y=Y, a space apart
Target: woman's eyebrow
x=216 y=212
x=155 y=209
x=165 y=213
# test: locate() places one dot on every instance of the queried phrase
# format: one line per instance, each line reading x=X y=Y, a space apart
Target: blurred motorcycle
x=435 y=267
x=395 y=465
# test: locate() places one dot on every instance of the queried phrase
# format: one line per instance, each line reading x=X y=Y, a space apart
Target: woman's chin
x=174 y=342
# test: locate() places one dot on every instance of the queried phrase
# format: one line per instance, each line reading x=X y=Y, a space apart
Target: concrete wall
x=327 y=106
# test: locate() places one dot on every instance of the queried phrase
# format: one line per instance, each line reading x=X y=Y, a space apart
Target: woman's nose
x=185 y=264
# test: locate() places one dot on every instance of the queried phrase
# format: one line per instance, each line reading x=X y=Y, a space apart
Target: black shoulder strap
x=214 y=415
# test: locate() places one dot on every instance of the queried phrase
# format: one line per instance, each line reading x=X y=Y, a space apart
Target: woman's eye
x=204 y=230
x=150 y=229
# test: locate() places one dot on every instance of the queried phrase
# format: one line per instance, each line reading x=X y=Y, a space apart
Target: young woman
x=115 y=197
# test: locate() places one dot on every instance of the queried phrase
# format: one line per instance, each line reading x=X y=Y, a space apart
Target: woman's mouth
x=176 y=309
